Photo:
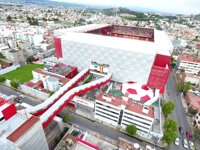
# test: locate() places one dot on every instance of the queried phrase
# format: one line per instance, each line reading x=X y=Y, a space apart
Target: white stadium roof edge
x=161 y=44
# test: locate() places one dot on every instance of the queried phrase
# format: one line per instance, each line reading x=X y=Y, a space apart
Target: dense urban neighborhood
x=83 y=78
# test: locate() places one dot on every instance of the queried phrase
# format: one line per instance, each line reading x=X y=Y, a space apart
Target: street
x=29 y=100
x=179 y=113
x=80 y=121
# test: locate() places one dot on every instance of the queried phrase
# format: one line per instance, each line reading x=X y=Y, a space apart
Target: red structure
x=7 y=108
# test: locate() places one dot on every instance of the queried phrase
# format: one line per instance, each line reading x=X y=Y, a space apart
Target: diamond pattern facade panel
x=125 y=65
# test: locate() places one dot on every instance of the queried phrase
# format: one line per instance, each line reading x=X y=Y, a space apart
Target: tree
x=192 y=111
x=196 y=133
x=14 y=83
x=131 y=129
x=67 y=118
x=30 y=59
x=9 y=18
x=182 y=76
x=2 y=79
x=168 y=107
x=169 y=136
x=184 y=87
x=1 y=55
x=170 y=124
x=51 y=93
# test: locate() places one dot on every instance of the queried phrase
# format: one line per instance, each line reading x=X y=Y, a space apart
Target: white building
x=19 y=130
x=122 y=112
x=190 y=65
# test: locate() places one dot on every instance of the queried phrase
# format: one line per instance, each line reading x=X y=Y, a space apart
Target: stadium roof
x=111 y=42
x=79 y=29
x=161 y=44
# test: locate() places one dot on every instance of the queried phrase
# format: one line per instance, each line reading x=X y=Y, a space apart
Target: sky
x=168 y=6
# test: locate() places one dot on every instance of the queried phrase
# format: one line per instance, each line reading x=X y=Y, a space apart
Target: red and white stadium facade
x=133 y=54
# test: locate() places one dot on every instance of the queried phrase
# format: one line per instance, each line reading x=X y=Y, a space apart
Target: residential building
x=123 y=111
x=16 y=56
x=189 y=64
x=193 y=101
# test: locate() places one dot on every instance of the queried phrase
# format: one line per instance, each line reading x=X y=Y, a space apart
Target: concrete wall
x=34 y=92
x=124 y=64
x=8 y=69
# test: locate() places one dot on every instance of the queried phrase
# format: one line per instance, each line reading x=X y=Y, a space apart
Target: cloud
x=170 y=6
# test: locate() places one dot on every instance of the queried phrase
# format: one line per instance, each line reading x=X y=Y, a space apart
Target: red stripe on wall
x=58 y=47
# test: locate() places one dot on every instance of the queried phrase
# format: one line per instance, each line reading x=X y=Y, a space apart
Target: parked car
x=191 y=145
x=188 y=135
x=176 y=142
x=22 y=96
x=185 y=143
x=181 y=130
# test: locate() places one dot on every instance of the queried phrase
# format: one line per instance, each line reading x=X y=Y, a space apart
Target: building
x=189 y=64
x=146 y=50
x=192 y=78
x=20 y=130
x=43 y=84
x=122 y=112
x=14 y=55
x=193 y=101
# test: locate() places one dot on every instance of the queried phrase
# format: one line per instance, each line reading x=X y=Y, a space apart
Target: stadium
x=131 y=53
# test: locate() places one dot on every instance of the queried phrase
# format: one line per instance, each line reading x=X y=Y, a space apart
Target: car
x=22 y=96
x=176 y=142
x=181 y=130
x=191 y=145
x=187 y=134
x=185 y=143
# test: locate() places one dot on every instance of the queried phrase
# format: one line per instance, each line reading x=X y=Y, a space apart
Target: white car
x=176 y=142
x=191 y=145
x=22 y=96
x=185 y=144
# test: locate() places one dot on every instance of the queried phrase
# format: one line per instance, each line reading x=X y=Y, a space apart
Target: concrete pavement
x=179 y=113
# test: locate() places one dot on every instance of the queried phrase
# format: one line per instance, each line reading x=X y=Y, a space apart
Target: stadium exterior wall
x=125 y=65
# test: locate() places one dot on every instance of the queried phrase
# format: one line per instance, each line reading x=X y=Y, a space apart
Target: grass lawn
x=24 y=73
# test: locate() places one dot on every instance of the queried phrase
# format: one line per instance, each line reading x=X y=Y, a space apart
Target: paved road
x=78 y=120
x=8 y=91
x=179 y=113
x=100 y=128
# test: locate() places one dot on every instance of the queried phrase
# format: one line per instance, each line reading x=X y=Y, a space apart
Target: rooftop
x=7 y=127
x=193 y=100
x=36 y=84
x=189 y=59
x=45 y=73
x=130 y=105
x=14 y=136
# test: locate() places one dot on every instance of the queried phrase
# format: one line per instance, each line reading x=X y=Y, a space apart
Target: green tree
x=1 y=55
x=169 y=136
x=184 y=87
x=131 y=129
x=170 y=124
x=196 y=133
x=168 y=107
x=9 y=18
x=2 y=79
x=14 y=83
x=192 y=111
x=30 y=59
x=51 y=93
x=67 y=118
